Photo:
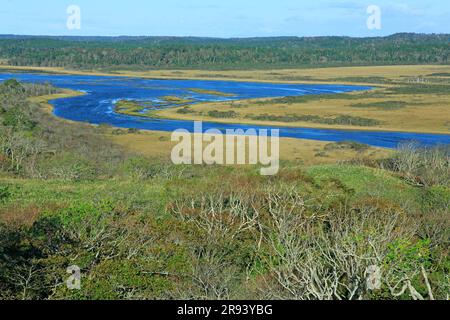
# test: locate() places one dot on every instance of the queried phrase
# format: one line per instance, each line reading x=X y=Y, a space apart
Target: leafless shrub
x=19 y=149
x=312 y=253
x=212 y=278
x=423 y=166
x=328 y=257
x=219 y=215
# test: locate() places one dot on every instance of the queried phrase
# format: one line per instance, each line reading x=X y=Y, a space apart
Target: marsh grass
x=222 y=114
x=347 y=145
x=308 y=98
x=185 y=110
x=339 y=120
x=382 y=105
x=427 y=89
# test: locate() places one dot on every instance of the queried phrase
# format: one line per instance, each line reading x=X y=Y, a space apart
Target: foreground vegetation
x=143 y=228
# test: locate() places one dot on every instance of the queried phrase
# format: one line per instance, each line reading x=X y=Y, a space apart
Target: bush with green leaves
x=5 y=193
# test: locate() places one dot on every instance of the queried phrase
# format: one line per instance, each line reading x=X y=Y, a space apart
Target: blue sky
x=224 y=18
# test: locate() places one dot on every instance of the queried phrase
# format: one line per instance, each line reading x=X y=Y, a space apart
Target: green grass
x=65 y=193
x=440 y=74
x=145 y=109
x=212 y=92
x=154 y=193
x=369 y=183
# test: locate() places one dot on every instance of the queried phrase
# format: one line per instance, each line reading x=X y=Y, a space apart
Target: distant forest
x=136 y=53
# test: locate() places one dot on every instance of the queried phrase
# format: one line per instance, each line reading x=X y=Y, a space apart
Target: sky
x=223 y=18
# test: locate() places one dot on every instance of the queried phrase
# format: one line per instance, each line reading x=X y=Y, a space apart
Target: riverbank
x=407 y=98
x=158 y=144
x=44 y=101
x=344 y=75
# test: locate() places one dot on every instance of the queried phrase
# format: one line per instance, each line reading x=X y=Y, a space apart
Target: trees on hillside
x=225 y=53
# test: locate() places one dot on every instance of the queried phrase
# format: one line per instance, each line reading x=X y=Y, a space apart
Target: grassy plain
x=397 y=103
x=159 y=144
x=342 y=75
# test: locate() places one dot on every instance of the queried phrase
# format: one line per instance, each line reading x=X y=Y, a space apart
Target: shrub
x=339 y=120
x=347 y=145
x=185 y=110
x=67 y=166
x=423 y=166
x=436 y=198
x=384 y=105
x=222 y=114
x=143 y=168
x=18 y=119
x=5 y=193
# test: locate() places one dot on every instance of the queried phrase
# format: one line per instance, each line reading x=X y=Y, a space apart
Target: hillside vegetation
x=136 y=53
x=143 y=228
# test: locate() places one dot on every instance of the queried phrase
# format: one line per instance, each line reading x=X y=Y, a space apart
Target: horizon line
x=221 y=38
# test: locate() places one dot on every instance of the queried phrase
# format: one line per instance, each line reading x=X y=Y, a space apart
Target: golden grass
x=44 y=100
x=318 y=75
x=422 y=113
x=212 y=92
x=176 y=100
x=158 y=144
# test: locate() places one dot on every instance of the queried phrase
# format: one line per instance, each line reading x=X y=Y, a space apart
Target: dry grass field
x=401 y=109
x=159 y=145
x=318 y=75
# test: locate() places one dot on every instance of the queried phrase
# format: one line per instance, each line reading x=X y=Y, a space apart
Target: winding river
x=97 y=106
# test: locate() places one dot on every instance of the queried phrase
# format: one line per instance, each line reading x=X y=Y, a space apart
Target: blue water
x=97 y=106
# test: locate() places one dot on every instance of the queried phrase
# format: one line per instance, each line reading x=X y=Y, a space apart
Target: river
x=97 y=106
